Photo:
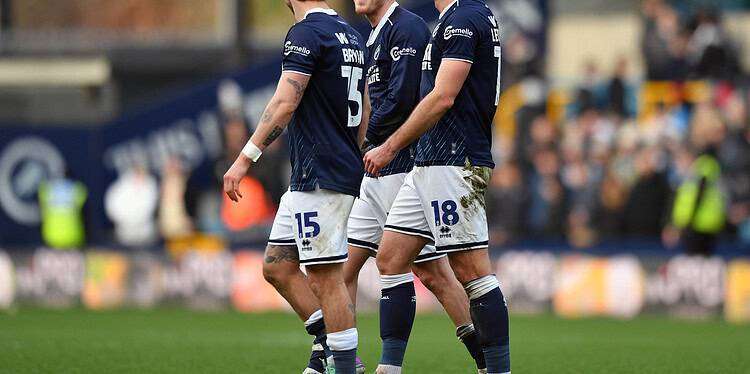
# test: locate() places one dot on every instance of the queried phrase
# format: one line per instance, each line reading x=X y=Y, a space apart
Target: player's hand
x=234 y=175
x=377 y=158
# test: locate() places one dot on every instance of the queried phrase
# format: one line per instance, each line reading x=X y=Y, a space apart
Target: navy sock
x=469 y=337
x=317 y=359
x=490 y=316
x=345 y=361
x=318 y=330
x=397 y=309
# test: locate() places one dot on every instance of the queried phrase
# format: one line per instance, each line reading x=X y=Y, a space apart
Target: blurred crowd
x=668 y=158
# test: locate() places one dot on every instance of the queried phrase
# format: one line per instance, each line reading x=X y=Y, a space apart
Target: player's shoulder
x=404 y=22
x=305 y=29
x=469 y=11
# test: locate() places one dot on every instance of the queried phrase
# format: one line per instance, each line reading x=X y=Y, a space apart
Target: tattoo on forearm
x=276 y=254
x=273 y=135
x=299 y=88
x=267 y=114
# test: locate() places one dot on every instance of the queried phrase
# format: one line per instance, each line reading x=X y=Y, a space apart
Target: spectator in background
x=506 y=200
x=61 y=202
x=174 y=222
x=252 y=210
x=660 y=28
x=698 y=210
x=617 y=90
x=712 y=53
x=130 y=203
x=546 y=196
x=646 y=207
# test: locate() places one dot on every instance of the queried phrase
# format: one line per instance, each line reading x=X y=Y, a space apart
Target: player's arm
x=448 y=83
x=366 y=111
x=274 y=120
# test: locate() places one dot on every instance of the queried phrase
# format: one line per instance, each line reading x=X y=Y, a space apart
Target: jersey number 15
x=353 y=75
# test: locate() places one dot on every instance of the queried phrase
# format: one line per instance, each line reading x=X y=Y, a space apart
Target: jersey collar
x=455 y=2
x=386 y=16
x=329 y=12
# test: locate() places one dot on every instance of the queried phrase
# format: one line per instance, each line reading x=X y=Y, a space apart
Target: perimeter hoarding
x=570 y=285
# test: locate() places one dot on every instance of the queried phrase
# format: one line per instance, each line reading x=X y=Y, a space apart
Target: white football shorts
x=445 y=204
x=370 y=212
x=314 y=221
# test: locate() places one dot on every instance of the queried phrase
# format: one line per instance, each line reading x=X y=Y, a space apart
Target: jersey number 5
x=353 y=75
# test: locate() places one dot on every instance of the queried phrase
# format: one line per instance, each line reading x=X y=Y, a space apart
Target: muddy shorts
x=444 y=204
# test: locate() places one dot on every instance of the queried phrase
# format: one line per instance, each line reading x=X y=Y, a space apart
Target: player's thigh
x=454 y=205
x=320 y=225
x=471 y=264
x=406 y=231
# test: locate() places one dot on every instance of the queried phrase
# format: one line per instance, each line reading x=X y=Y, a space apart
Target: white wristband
x=252 y=151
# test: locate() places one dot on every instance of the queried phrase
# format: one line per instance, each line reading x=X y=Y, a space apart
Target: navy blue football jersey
x=396 y=47
x=467 y=31
x=323 y=129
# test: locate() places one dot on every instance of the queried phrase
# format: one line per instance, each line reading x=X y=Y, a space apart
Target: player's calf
x=398 y=301
x=487 y=305
x=438 y=277
x=327 y=283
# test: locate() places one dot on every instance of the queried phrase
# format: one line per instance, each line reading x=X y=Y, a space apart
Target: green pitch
x=177 y=341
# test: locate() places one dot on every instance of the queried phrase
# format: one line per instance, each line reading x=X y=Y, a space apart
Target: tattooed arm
x=275 y=118
x=279 y=110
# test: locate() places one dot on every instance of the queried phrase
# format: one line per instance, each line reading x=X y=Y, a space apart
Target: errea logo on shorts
x=450 y=32
x=291 y=48
x=397 y=52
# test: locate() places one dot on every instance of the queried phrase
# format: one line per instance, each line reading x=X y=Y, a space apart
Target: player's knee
x=390 y=265
x=275 y=274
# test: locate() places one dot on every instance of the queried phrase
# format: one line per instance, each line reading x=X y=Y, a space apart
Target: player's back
x=323 y=130
x=466 y=31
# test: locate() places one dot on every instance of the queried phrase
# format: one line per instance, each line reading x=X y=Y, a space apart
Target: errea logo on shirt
x=450 y=32
x=291 y=48
x=397 y=52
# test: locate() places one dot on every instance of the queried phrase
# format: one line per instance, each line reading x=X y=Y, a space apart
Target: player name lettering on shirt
x=450 y=32
x=353 y=55
x=495 y=29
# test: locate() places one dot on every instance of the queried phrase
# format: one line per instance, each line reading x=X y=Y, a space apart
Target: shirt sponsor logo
x=291 y=48
x=397 y=52
x=450 y=32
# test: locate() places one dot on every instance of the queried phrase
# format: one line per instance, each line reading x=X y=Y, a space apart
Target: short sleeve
x=459 y=38
x=300 y=50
